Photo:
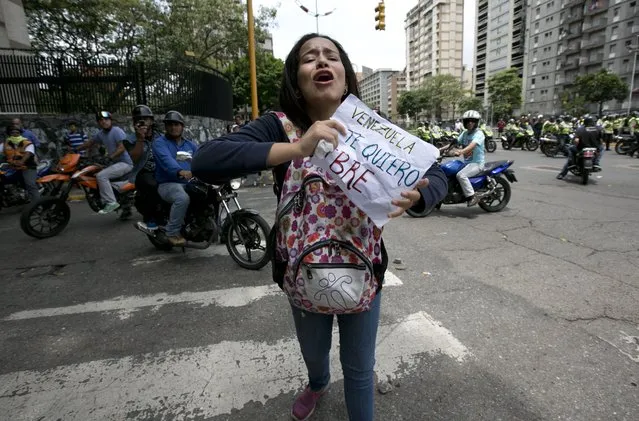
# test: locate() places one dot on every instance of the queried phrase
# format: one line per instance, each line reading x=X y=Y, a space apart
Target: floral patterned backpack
x=327 y=252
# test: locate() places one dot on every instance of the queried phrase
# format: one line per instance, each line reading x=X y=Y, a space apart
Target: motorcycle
x=584 y=164
x=492 y=184
x=524 y=139
x=12 y=192
x=50 y=215
x=551 y=148
x=489 y=143
x=624 y=144
x=243 y=231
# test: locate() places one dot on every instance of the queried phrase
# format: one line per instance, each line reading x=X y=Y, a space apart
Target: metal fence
x=53 y=84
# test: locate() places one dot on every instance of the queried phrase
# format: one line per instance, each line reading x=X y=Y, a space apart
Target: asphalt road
x=531 y=313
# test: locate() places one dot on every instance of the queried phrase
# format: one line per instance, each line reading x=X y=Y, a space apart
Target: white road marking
x=203 y=381
x=541 y=169
x=212 y=250
x=125 y=306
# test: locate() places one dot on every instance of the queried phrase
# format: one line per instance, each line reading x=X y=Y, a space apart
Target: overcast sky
x=353 y=25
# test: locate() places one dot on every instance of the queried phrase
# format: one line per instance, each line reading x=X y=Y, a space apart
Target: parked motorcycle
x=584 y=164
x=492 y=184
x=12 y=192
x=50 y=215
x=243 y=231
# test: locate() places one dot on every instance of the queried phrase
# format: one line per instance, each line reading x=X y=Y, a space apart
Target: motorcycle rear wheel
x=505 y=144
x=254 y=232
x=422 y=214
x=500 y=197
x=532 y=144
x=584 y=177
x=45 y=218
x=160 y=245
x=550 y=149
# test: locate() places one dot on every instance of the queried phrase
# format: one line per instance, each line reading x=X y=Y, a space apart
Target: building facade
x=434 y=40
x=568 y=38
x=373 y=89
x=500 y=40
x=13 y=25
x=396 y=87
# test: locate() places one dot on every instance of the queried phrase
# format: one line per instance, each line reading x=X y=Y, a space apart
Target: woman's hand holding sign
x=327 y=130
x=410 y=198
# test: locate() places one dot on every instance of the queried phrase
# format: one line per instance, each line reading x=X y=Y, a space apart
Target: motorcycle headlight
x=236 y=183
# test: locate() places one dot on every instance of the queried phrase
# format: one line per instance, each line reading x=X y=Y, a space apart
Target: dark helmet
x=103 y=115
x=141 y=111
x=589 y=120
x=174 y=116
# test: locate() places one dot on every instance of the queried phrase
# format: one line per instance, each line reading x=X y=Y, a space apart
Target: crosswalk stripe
x=231 y=297
x=204 y=381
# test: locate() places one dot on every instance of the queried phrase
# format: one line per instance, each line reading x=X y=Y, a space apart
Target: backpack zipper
x=297 y=198
x=310 y=266
x=335 y=246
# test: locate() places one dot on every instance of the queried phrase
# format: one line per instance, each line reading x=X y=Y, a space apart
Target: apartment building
x=568 y=38
x=434 y=40
x=373 y=89
x=396 y=87
x=13 y=25
x=500 y=39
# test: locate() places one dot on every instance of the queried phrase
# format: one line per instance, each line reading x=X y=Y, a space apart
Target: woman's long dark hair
x=294 y=107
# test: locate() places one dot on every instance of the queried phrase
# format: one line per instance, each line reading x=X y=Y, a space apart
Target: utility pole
x=633 y=49
x=252 y=69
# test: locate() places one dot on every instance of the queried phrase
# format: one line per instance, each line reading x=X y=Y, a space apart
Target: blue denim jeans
x=175 y=194
x=357 y=336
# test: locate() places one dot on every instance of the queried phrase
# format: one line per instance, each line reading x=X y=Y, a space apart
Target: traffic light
x=380 y=17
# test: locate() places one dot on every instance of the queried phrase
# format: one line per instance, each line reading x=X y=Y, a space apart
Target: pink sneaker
x=305 y=403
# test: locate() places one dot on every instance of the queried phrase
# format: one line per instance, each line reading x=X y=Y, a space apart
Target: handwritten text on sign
x=376 y=161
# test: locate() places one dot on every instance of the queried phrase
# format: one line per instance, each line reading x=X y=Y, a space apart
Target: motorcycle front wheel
x=491 y=146
x=422 y=214
x=622 y=147
x=45 y=218
x=246 y=241
x=532 y=144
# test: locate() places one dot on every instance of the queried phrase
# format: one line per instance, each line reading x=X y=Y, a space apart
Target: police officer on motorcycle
x=147 y=199
x=587 y=136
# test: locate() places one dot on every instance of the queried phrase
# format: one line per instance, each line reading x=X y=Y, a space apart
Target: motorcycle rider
x=173 y=173
x=112 y=137
x=472 y=142
x=20 y=154
x=587 y=136
x=147 y=199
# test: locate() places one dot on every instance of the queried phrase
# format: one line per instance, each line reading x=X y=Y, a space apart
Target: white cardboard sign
x=376 y=161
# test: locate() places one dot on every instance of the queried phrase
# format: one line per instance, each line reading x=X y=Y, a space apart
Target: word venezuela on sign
x=376 y=161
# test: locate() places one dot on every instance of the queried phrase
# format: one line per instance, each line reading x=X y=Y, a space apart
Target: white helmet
x=471 y=115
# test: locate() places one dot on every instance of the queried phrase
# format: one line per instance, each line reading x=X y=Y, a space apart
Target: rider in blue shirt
x=472 y=142
x=172 y=172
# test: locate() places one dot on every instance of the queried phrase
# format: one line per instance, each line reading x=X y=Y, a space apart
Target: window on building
x=612 y=48
x=537 y=11
x=615 y=31
x=626 y=65
x=616 y=12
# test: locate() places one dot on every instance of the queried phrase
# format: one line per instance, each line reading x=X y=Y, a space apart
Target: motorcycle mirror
x=183 y=156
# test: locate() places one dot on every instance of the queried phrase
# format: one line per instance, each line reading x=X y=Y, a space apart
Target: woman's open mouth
x=323 y=77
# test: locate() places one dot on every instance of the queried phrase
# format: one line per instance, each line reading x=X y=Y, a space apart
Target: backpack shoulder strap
x=292 y=132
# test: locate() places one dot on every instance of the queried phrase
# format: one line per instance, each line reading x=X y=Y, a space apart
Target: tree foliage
x=601 y=87
x=409 y=104
x=573 y=103
x=214 y=30
x=440 y=92
x=269 y=80
x=471 y=102
x=504 y=91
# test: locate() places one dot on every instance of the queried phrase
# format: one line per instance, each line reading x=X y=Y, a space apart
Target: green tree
x=601 y=87
x=471 y=102
x=269 y=80
x=409 y=104
x=573 y=103
x=504 y=91
x=215 y=31
x=440 y=92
